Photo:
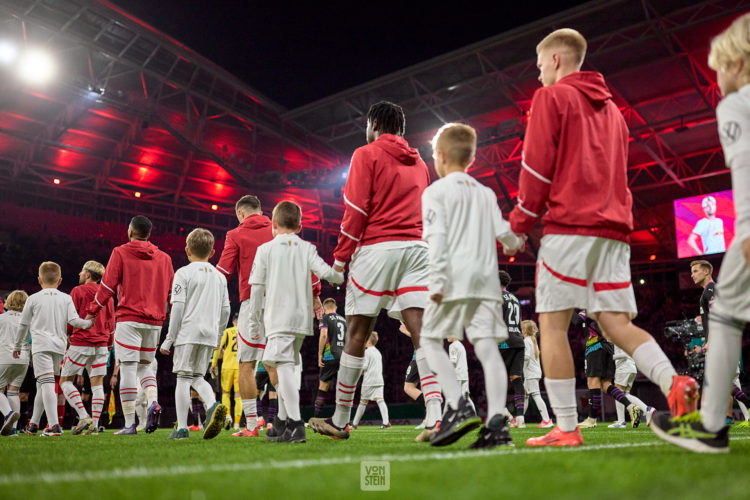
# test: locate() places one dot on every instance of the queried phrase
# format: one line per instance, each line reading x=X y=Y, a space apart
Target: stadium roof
x=132 y=110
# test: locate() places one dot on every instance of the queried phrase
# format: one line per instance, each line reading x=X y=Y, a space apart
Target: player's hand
x=79 y=380
x=113 y=380
x=90 y=316
x=16 y=354
x=164 y=351
x=214 y=371
x=402 y=329
x=338 y=269
x=317 y=308
x=437 y=297
x=320 y=361
x=746 y=250
x=512 y=251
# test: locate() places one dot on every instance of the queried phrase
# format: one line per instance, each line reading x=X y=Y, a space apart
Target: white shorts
x=93 y=359
x=464 y=387
x=192 y=359
x=531 y=385
x=46 y=362
x=584 y=272
x=371 y=393
x=136 y=341
x=249 y=347
x=732 y=297
x=382 y=276
x=282 y=348
x=12 y=375
x=625 y=372
x=480 y=318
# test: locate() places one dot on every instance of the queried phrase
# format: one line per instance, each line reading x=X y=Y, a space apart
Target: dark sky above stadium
x=298 y=52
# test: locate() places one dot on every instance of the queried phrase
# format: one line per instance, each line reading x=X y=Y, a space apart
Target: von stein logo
x=375 y=476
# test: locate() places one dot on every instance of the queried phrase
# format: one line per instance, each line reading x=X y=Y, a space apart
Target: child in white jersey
x=282 y=271
x=45 y=318
x=532 y=371
x=457 y=355
x=12 y=370
x=372 y=383
x=461 y=221
x=200 y=312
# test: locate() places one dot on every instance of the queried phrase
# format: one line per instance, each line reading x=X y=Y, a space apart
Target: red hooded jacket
x=575 y=157
x=382 y=196
x=141 y=275
x=99 y=335
x=240 y=247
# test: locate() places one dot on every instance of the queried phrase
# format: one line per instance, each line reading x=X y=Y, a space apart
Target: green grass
x=614 y=463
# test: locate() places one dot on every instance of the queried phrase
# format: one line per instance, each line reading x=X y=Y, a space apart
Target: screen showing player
x=704 y=224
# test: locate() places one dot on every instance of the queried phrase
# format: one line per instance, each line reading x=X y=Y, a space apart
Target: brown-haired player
x=141 y=275
x=577 y=141
x=330 y=346
x=12 y=370
x=44 y=319
x=200 y=312
x=89 y=350
x=282 y=271
x=381 y=233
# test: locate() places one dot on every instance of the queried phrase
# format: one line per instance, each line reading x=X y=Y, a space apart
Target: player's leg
x=431 y=389
x=38 y=409
x=7 y=424
x=226 y=387
x=249 y=394
x=515 y=371
x=326 y=374
x=237 y=398
x=60 y=401
x=73 y=364
x=182 y=403
x=289 y=393
x=532 y=387
x=46 y=365
x=360 y=412
x=126 y=340
x=557 y=363
x=386 y=422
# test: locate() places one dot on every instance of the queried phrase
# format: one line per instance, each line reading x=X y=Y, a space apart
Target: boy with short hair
x=89 y=349
x=200 y=312
x=457 y=355
x=372 y=383
x=461 y=222
x=12 y=370
x=706 y=432
x=281 y=271
x=45 y=318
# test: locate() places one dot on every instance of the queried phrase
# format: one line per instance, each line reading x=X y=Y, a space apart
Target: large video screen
x=704 y=224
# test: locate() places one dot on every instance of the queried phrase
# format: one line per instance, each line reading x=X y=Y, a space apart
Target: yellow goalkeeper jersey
x=229 y=346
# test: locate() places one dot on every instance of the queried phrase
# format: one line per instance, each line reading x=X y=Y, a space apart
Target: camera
x=683 y=330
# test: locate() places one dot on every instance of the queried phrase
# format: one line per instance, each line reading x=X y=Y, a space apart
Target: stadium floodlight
x=8 y=52
x=36 y=66
x=214 y=207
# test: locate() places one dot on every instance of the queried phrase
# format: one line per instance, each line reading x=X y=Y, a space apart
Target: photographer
x=701 y=272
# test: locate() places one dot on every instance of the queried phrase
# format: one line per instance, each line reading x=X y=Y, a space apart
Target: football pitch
x=612 y=463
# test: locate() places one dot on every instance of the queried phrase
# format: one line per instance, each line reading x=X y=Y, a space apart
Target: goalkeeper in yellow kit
x=230 y=373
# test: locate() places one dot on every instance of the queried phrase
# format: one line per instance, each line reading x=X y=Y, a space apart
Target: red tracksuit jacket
x=240 y=247
x=99 y=335
x=575 y=156
x=382 y=196
x=141 y=275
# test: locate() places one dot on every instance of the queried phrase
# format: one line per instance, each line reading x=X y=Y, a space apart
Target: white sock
x=204 y=390
x=440 y=364
x=350 y=369
x=128 y=390
x=651 y=360
x=743 y=409
x=141 y=408
x=360 y=411
x=36 y=416
x=49 y=399
x=562 y=398
x=620 y=408
x=97 y=403
x=431 y=390
x=14 y=401
x=495 y=375
x=280 y=402
x=640 y=404
x=74 y=398
x=721 y=368
x=182 y=399
x=250 y=408
x=525 y=403
x=4 y=404
x=383 y=411
x=288 y=387
x=467 y=398
x=148 y=382
x=541 y=406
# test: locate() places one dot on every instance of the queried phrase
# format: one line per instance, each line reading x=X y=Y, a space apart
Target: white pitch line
x=142 y=472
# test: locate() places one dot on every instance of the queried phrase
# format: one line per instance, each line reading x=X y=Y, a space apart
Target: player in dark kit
x=330 y=347
x=512 y=350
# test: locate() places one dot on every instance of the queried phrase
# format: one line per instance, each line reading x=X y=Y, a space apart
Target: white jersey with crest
x=46 y=316
x=457 y=354
x=284 y=266
x=204 y=292
x=9 y=322
x=532 y=369
x=373 y=369
x=465 y=213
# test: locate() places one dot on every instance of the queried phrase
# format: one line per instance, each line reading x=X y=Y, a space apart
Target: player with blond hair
x=706 y=431
x=577 y=141
x=200 y=312
x=44 y=319
x=12 y=370
x=89 y=350
x=372 y=384
x=532 y=372
x=462 y=222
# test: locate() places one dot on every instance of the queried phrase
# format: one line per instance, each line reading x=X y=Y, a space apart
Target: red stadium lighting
x=137 y=194
x=214 y=207
x=512 y=259
x=56 y=180
x=652 y=257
